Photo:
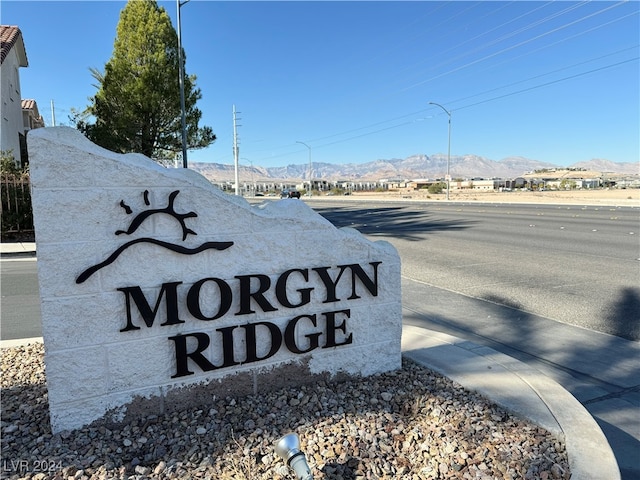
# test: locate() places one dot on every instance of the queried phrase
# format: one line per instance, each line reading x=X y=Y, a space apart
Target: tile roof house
x=13 y=56
x=31 y=118
x=10 y=37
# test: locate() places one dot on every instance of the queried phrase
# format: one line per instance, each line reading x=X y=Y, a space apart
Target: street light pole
x=309 y=194
x=181 y=73
x=448 y=148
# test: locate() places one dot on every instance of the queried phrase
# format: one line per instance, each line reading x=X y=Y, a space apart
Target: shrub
x=436 y=187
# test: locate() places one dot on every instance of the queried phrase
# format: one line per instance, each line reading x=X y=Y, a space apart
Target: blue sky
x=551 y=81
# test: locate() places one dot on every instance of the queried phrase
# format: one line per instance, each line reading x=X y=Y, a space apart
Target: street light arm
x=445 y=110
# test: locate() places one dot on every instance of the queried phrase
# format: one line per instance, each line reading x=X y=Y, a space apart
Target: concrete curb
x=18 y=342
x=520 y=389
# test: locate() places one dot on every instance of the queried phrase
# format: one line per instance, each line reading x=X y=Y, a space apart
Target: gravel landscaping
x=408 y=424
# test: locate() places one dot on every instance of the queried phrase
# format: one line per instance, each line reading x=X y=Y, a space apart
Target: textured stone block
x=160 y=291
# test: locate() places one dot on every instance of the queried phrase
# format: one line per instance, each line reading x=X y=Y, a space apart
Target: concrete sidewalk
x=524 y=375
x=17 y=249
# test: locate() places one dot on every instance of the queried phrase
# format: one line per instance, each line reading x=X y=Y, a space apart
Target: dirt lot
x=630 y=197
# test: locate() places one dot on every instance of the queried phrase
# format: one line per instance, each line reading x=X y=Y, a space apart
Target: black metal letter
x=246 y=295
x=182 y=356
x=332 y=327
x=251 y=340
x=147 y=314
x=227 y=346
x=290 y=335
x=281 y=289
x=193 y=299
x=371 y=285
x=329 y=284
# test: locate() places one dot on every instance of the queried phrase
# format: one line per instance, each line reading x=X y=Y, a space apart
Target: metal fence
x=17 y=215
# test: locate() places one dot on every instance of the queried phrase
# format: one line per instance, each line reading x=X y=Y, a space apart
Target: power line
x=368 y=126
x=499 y=97
x=562 y=40
x=545 y=74
x=508 y=85
x=538 y=22
x=409 y=118
x=504 y=50
x=550 y=83
x=367 y=134
x=503 y=37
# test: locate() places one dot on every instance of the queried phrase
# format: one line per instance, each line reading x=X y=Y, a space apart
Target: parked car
x=288 y=193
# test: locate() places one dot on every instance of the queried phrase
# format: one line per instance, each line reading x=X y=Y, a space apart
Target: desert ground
x=618 y=197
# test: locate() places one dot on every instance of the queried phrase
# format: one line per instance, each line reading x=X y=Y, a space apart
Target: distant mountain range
x=413 y=167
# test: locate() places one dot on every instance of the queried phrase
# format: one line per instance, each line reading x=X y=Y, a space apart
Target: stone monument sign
x=160 y=291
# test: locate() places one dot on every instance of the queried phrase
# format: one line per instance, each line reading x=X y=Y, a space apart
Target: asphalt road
x=20 y=304
x=574 y=264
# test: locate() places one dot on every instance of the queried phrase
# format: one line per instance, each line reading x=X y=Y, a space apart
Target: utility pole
x=53 y=115
x=236 y=149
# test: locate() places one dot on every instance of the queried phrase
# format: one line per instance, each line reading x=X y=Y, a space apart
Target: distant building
x=31 y=118
x=18 y=117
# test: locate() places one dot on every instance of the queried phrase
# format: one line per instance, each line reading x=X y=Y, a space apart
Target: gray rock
x=412 y=423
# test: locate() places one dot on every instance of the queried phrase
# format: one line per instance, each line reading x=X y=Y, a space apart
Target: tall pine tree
x=137 y=106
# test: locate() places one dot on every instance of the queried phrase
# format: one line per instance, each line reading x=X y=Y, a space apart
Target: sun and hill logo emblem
x=139 y=219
